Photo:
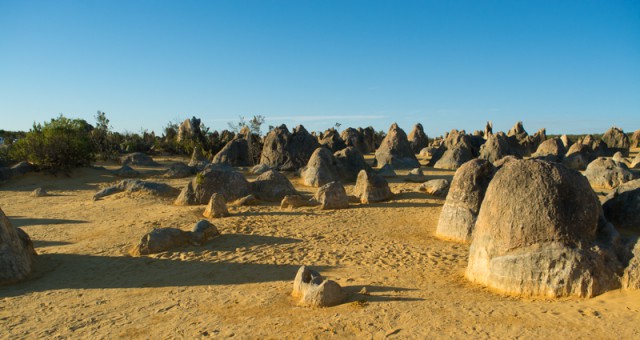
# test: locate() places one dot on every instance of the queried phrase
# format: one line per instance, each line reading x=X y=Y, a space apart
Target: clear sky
x=569 y=66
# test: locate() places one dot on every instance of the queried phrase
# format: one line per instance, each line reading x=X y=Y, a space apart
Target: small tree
x=60 y=144
x=104 y=143
x=255 y=124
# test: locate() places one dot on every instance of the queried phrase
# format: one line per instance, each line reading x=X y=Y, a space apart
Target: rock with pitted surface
x=496 y=147
x=260 y=169
x=539 y=233
x=605 y=173
x=332 y=196
x=396 y=150
x=234 y=153
x=321 y=169
x=617 y=140
x=453 y=158
x=288 y=151
x=16 y=253
x=635 y=139
x=371 y=187
x=311 y=289
x=417 y=138
x=272 y=186
x=565 y=142
x=461 y=207
x=631 y=275
x=214 y=179
x=635 y=163
x=386 y=171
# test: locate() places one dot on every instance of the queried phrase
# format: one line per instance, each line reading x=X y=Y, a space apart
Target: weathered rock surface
x=435 y=187
x=260 y=169
x=539 y=233
x=605 y=173
x=331 y=139
x=198 y=159
x=462 y=205
x=179 y=170
x=272 y=186
x=214 y=179
x=332 y=196
x=311 y=289
x=454 y=158
x=296 y=201
x=159 y=240
x=136 y=185
x=635 y=163
x=127 y=172
x=396 y=150
x=551 y=150
x=249 y=200
x=350 y=162
x=203 y=231
x=622 y=206
x=234 y=153
x=635 y=139
x=578 y=157
x=354 y=138
x=371 y=187
x=321 y=169
x=495 y=148
x=418 y=139
x=617 y=140
x=288 y=151
x=631 y=276
x=217 y=207
x=16 y=253
x=387 y=171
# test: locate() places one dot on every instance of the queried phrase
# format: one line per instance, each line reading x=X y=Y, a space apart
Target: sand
x=239 y=285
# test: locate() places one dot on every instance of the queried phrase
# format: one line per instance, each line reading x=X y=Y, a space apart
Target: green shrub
x=61 y=144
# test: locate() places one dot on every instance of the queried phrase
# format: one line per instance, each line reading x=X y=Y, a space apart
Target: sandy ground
x=86 y=286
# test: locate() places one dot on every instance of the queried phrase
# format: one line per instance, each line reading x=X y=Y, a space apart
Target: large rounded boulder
x=321 y=169
x=605 y=173
x=371 y=187
x=214 y=179
x=16 y=252
x=460 y=210
x=272 y=186
x=551 y=150
x=396 y=150
x=578 y=156
x=350 y=162
x=536 y=234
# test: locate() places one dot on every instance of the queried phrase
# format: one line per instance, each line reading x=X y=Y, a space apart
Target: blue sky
x=569 y=66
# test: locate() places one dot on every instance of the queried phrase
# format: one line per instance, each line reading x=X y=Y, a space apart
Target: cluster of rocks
x=537 y=229
x=163 y=239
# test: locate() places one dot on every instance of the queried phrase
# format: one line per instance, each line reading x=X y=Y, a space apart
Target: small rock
x=312 y=290
x=248 y=200
x=435 y=187
x=39 y=192
x=217 y=207
x=332 y=196
x=203 y=231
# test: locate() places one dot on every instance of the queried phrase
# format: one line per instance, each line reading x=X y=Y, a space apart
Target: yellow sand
x=85 y=285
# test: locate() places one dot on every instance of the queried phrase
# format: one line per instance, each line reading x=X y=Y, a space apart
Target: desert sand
x=86 y=286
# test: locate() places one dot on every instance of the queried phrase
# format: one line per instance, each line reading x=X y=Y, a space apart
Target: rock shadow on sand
x=72 y=271
x=20 y=221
